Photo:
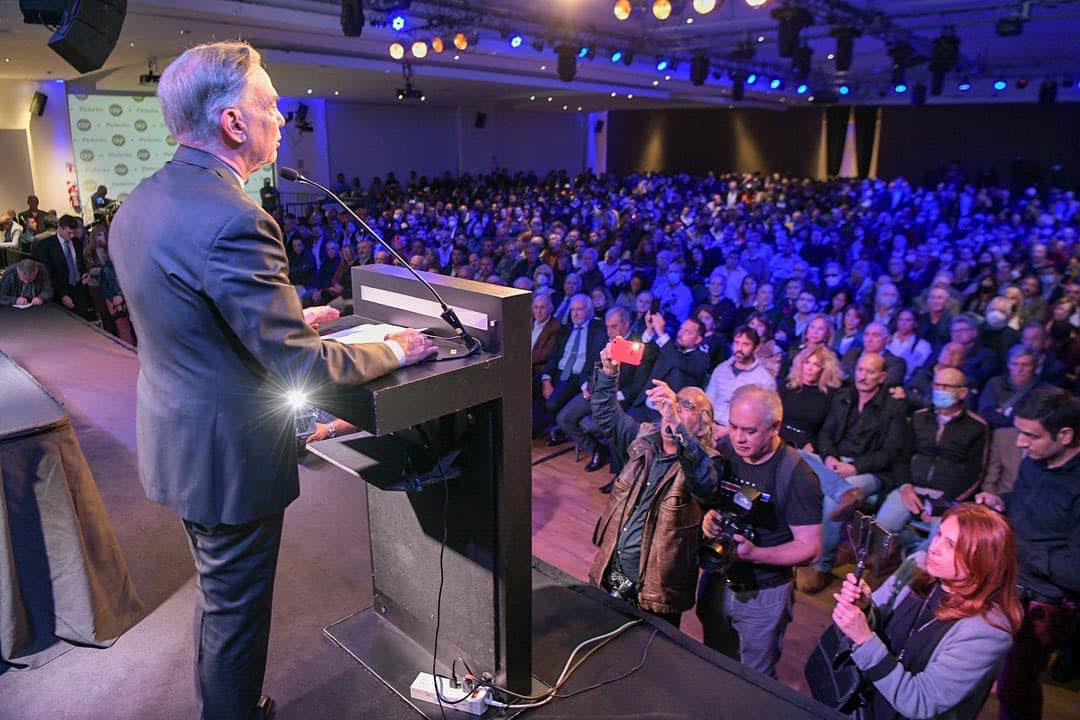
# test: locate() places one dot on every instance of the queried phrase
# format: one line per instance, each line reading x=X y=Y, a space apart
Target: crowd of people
x=835 y=345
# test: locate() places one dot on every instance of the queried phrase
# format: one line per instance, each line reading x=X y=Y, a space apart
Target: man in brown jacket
x=648 y=534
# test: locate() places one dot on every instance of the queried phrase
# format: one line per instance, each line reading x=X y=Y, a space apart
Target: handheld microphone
x=448 y=314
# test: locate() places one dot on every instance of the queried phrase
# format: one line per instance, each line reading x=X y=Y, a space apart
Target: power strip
x=423 y=688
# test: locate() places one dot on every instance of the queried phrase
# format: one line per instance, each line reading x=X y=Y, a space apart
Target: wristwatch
x=331 y=431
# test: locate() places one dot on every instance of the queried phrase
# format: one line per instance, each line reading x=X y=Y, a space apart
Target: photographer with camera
x=648 y=534
x=768 y=521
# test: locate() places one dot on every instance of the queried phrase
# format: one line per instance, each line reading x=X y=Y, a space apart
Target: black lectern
x=477 y=410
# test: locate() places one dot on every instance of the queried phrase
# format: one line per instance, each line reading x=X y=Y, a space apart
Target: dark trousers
x=235 y=566
x=1045 y=628
x=745 y=625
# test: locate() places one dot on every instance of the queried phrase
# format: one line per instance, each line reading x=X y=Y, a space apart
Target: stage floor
x=322 y=570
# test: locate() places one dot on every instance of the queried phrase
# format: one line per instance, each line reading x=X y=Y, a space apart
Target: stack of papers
x=375 y=332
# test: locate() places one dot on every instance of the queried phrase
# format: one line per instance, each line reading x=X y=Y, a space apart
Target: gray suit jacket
x=221 y=340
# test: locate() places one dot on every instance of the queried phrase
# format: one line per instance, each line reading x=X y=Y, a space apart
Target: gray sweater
x=961 y=669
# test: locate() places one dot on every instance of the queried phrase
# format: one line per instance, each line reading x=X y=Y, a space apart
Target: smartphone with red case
x=627 y=351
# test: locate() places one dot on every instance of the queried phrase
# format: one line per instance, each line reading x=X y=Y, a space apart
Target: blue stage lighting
x=515 y=41
x=662 y=64
x=844 y=89
x=398 y=22
x=583 y=52
x=775 y=83
x=616 y=56
x=1000 y=85
x=803 y=87
x=964 y=86
x=900 y=88
x=751 y=78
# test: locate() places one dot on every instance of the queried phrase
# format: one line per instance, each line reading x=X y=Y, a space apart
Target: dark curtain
x=865 y=119
x=835 y=128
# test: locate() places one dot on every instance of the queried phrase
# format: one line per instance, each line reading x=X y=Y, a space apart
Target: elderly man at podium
x=222 y=340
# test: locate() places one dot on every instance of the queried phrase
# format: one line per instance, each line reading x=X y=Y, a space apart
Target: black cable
x=438 y=598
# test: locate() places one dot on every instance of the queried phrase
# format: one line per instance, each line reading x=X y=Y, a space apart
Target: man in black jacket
x=863 y=445
x=680 y=362
x=1044 y=511
x=61 y=254
x=951 y=449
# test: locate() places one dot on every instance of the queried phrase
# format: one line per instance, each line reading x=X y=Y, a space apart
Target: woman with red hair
x=931 y=639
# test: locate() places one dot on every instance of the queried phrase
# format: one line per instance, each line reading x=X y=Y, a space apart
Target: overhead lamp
x=437 y=44
x=844 y=89
x=755 y=4
x=584 y=52
x=397 y=50
x=802 y=89
x=704 y=7
x=699 y=69
x=738 y=85
x=1000 y=85
x=776 y=84
x=398 y=22
x=622 y=9
x=515 y=41
x=616 y=56
x=661 y=9
x=662 y=64
x=900 y=88
x=461 y=42
x=845 y=46
x=964 y=85
x=628 y=57
x=567 y=67
x=793 y=20
x=751 y=78
x=419 y=49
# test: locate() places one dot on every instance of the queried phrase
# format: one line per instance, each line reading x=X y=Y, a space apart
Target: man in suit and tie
x=576 y=351
x=62 y=256
x=680 y=362
x=222 y=340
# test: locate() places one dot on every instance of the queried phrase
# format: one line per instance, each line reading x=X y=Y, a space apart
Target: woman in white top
x=905 y=344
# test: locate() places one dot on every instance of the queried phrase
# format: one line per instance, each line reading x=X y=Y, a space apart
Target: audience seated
x=807 y=395
x=577 y=349
x=680 y=362
x=742 y=368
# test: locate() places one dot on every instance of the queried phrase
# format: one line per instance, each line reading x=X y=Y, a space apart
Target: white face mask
x=996 y=319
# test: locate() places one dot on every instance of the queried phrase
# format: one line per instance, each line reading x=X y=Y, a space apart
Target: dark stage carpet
x=324 y=575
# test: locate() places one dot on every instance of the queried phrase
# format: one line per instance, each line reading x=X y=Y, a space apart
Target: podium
x=474 y=410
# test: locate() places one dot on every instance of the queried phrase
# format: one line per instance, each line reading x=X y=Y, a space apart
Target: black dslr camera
x=716 y=554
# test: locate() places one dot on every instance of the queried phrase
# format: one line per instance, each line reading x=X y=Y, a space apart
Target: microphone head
x=287 y=173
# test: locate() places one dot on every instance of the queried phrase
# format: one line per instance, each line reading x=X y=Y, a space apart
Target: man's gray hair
x=28 y=267
x=768 y=400
x=197 y=86
x=618 y=311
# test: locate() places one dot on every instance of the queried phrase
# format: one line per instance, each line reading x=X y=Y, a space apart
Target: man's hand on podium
x=313 y=316
x=417 y=347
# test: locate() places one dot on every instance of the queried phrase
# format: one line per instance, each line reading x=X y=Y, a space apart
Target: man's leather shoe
x=557 y=437
x=264 y=709
x=850 y=500
x=599 y=460
x=606 y=489
x=812 y=581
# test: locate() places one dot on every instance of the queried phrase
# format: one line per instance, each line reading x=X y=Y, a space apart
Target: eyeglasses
x=944 y=386
x=689 y=406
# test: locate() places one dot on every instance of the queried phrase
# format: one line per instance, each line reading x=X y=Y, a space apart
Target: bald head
x=869 y=373
x=952 y=381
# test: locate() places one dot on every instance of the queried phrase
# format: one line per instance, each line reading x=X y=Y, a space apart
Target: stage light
x=583 y=53
x=616 y=56
x=622 y=9
x=738 y=85
x=1000 y=85
x=567 y=67
x=699 y=70
x=900 y=88
x=964 y=85
x=802 y=88
x=398 y=23
x=397 y=50
x=775 y=84
x=844 y=89
x=793 y=20
x=755 y=4
x=437 y=44
x=845 y=46
x=751 y=78
x=460 y=41
x=515 y=41
x=704 y=7
x=628 y=57
x=661 y=9
x=662 y=64
x=419 y=49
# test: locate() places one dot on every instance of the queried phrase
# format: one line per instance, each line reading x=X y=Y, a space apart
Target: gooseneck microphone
x=448 y=314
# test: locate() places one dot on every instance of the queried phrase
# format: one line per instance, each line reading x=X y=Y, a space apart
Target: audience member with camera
x=647 y=535
x=768 y=520
x=951 y=449
x=929 y=641
x=1044 y=511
